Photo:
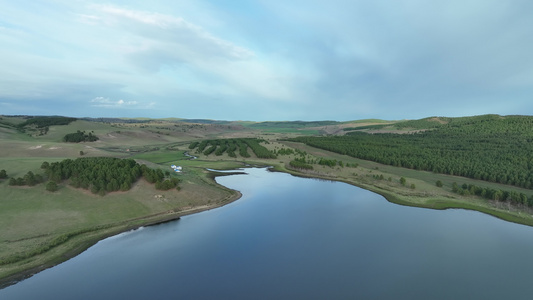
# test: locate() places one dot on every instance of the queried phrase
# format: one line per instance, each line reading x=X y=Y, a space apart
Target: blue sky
x=266 y=60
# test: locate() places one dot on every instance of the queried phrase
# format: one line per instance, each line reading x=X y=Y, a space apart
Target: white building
x=177 y=169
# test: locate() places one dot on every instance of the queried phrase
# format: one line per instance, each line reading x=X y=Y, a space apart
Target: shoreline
x=84 y=244
x=437 y=203
x=170 y=216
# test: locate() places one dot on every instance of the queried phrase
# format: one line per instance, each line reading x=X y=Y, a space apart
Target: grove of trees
x=493 y=194
x=29 y=179
x=46 y=121
x=80 y=136
x=230 y=146
x=101 y=175
x=298 y=163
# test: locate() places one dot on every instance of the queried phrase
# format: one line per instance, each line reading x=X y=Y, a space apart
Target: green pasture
x=161 y=156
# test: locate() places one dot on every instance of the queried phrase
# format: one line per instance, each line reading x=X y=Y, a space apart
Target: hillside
x=491 y=148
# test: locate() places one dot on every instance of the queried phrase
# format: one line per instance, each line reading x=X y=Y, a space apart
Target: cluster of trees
x=284 y=151
x=51 y=186
x=41 y=122
x=259 y=150
x=377 y=126
x=168 y=184
x=80 y=136
x=230 y=146
x=329 y=162
x=223 y=147
x=201 y=146
x=101 y=175
x=220 y=146
x=493 y=194
x=332 y=163
x=29 y=179
x=243 y=149
x=491 y=148
x=300 y=163
x=3 y=174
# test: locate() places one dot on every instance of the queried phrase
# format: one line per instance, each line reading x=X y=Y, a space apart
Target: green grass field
x=162 y=156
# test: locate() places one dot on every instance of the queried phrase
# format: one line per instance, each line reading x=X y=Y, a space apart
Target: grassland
x=34 y=219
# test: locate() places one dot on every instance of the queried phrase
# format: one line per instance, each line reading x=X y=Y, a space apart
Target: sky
x=266 y=60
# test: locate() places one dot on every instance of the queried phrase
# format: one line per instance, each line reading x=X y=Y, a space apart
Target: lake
x=299 y=238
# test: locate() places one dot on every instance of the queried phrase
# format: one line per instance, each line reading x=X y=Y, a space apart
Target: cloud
x=414 y=57
x=186 y=56
x=341 y=59
x=165 y=39
x=106 y=102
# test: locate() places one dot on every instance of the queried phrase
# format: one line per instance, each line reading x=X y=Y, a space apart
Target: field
x=43 y=228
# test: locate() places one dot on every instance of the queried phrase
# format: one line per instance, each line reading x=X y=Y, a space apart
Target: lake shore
x=408 y=198
x=438 y=202
x=78 y=244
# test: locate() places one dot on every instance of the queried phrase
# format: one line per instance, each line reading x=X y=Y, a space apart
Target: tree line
x=512 y=197
x=29 y=179
x=300 y=163
x=491 y=148
x=46 y=121
x=306 y=162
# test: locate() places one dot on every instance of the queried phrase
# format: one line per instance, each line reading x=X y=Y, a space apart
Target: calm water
x=296 y=238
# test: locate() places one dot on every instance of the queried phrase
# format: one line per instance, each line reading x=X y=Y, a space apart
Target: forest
x=490 y=147
x=230 y=146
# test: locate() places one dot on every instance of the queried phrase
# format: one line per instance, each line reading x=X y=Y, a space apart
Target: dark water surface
x=296 y=238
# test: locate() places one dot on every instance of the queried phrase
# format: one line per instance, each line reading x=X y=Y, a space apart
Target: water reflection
x=295 y=238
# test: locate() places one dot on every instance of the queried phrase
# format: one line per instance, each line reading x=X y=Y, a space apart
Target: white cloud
x=89 y=19
x=106 y=102
x=184 y=55
x=101 y=100
x=313 y=58
x=184 y=39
